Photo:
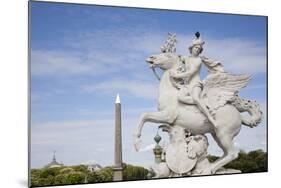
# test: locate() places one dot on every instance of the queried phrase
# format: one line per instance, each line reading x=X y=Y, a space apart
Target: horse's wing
x=221 y=87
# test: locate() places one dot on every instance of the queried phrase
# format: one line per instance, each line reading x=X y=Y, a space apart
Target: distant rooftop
x=54 y=162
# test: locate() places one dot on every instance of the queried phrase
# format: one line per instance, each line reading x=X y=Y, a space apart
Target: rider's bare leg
x=201 y=105
x=184 y=95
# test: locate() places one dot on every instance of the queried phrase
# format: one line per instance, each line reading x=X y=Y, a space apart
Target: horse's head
x=164 y=61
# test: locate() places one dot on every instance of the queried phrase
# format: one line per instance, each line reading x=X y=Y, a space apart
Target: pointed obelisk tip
x=117 y=99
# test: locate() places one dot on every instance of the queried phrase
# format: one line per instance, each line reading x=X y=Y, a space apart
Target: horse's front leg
x=154 y=117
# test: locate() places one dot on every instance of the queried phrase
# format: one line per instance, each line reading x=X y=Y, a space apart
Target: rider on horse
x=190 y=91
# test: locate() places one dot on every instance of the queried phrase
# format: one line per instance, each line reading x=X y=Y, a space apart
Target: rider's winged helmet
x=197 y=41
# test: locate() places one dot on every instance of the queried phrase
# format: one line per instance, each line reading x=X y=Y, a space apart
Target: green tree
x=102 y=175
x=61 y=179
x=75 y=178
x=66 y=170
x=94 y=177
x=80 y=168
x=131 y=172
x=254 y=161
x=106 y=174
x=49 y=172
x=50 y=180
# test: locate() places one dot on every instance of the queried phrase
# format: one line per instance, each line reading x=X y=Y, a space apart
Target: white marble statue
x=186 y=155
x=198 y=107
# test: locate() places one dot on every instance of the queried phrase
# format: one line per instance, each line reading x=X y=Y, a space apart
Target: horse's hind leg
x=229 y=124
x=219 y=144
x=230 y=152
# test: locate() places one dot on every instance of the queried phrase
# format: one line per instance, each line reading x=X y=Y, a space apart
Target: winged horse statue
x=219 y=93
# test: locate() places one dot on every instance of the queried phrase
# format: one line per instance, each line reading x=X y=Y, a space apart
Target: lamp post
x=158 y=150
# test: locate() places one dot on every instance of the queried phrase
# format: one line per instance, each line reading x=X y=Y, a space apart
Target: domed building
x=54 y=163
x=92 y=166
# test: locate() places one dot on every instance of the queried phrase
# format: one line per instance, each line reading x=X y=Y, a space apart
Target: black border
x=86 y=4
x=29 y=92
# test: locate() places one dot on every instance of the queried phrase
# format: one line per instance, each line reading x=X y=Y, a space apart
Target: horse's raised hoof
x=137 y=143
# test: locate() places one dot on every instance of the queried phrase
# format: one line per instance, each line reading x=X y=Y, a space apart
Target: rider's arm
x=188 y=74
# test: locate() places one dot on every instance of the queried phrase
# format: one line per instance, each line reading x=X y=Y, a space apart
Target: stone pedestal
x=117 y=174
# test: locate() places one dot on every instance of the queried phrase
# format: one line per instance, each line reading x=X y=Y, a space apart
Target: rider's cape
x=212 y=65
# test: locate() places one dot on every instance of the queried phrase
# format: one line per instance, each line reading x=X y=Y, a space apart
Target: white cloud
x=57 y=63
x=238 y=55
x=237 y=145
x=69 y=131
x=75 y=140
x=74 y=123
x=147 y=148
x=107 y=51
x=45 y=62
x=136 y=88
x=90 y=162
x=256 y=86
x=128 y=112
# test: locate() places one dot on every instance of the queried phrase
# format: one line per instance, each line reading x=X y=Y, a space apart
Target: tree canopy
x=254 y=161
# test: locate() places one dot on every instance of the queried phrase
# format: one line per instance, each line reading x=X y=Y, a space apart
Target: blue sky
x=82 y=56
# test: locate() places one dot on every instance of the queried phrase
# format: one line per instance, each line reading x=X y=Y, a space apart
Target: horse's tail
x=250 y=106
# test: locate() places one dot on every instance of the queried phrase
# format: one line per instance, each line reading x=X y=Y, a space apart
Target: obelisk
x=117 y=169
